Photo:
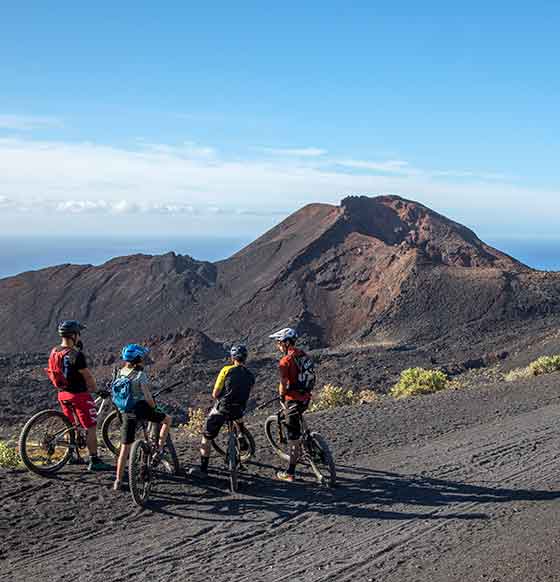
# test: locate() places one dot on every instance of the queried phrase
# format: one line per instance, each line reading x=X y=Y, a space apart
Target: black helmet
x=238 y=352
x=69 y=327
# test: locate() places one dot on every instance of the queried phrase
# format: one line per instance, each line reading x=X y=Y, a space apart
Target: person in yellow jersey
x=231 y=392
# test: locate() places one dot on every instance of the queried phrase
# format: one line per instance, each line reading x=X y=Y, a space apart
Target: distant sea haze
x=18 y=254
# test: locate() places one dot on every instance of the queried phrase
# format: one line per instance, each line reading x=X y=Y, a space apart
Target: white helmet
x=284 y=334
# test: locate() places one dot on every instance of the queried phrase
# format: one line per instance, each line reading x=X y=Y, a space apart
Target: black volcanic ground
x=460 y=485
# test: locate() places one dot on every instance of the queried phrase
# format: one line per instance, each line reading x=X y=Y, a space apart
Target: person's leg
x=91 y=440
x=128 y=431
x=164 y=431
x=293 y=427
x=212 y=426
x=121 y=463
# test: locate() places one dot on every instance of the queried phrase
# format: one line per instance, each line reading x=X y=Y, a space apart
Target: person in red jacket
x=70 y=375
x=295 y=401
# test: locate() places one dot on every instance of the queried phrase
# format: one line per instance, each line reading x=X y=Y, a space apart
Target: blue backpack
x=121 y=393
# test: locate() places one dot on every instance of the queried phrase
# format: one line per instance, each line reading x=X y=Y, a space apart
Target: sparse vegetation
x=419 y=381
x=9 y=457
x=545 y=365
x=367 y=397
x=195 y=425
x=542 y=365
x=332 y=396
x=518 y=374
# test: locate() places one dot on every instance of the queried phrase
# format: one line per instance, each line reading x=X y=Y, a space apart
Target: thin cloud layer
x=28 y=122
x=193 y=180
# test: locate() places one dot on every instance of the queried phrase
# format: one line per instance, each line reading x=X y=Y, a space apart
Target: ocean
x=18 y=254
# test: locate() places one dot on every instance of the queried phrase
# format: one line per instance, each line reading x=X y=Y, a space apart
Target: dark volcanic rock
x=372 y=270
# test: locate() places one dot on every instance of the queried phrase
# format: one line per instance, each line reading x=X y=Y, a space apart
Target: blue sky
x=220 y=117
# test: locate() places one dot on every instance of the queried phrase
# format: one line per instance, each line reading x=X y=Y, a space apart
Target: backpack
x=55 y=371
x=121 y=393
x=306 y=374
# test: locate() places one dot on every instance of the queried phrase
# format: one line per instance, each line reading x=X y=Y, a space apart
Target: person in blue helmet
x=134 y=357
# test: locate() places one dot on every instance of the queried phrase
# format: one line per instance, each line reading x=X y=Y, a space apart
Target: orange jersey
x=289 y=372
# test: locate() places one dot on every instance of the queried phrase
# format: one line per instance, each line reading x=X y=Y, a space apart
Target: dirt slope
x=455 y=486
x=370 y=269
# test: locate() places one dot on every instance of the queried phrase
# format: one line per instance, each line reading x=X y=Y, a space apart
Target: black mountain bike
x=246 y=443
x=233 y=454
x=111 y=427
x=315 y=450
x=49 y=440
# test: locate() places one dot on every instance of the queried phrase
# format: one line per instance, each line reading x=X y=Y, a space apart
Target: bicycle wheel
x=140 y=472
x=170 y=461
x=232 y=462
x=276 y=436
x=46 y=442
x=111 y=432
x=321 y=459
x=220 y=446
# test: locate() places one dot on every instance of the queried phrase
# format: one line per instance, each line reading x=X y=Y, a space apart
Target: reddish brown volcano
x=371 y=269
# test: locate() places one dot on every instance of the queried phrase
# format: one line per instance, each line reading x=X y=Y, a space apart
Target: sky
x=221 y=118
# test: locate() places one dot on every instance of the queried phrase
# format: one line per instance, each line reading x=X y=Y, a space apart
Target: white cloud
x=188 y=149
x=155 y=182
x=390 y=166
x=28 y=122
x=294 y=152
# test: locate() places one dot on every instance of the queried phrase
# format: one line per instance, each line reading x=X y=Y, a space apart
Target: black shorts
x=142 y=411
x=292 y=418
x=214 y=422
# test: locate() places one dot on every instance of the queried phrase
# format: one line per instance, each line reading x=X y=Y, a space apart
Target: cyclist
x=231 y=392
x=134 y=357
x=70 y=375
x=294 y=401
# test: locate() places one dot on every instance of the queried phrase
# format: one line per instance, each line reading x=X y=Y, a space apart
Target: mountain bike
x=233 y=454
x=145 y=461
x=315 y=450
x=49 y=439
x=245 y=445
x=111 y=426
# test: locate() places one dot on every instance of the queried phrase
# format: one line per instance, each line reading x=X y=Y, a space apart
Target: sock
x=291 y=469
x=204 y=464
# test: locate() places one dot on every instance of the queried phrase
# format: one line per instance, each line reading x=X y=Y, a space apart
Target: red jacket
x=289 y=375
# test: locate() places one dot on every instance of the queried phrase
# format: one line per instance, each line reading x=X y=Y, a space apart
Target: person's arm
x=284 y=379
x=220 y=382
x=145 y=385
x=91 y=385
x=80 y=364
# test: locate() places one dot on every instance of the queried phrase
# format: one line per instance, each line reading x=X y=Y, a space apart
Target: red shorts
x=82 y=404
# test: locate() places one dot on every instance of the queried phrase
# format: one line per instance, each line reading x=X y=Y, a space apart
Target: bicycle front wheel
x=233 y=462
x=170 y=461
x=111 y=432
x=321 y=459
x=276 y=436
x=140 y=472
x=46 y=442
x=220 y=446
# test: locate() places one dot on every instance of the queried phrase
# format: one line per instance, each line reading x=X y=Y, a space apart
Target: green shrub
x=332 y=396
x=542 y=365
x=545 y=365
x=9 y=457
x=195 y=425
x=419 y=381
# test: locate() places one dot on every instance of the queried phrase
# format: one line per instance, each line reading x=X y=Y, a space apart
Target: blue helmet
x=238 y=352
x=132 y=352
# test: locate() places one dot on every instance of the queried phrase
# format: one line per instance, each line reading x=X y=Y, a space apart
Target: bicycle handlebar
x=260 y=406
x=166 y=389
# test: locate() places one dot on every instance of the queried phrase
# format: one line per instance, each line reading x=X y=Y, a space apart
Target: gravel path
x=455 y=486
